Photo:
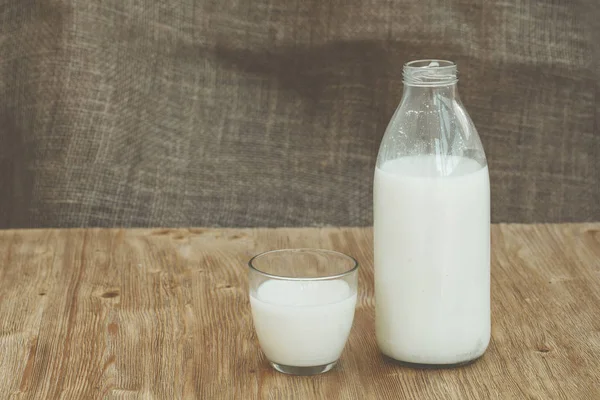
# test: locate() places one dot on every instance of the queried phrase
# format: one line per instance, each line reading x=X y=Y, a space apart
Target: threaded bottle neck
x=430 y=73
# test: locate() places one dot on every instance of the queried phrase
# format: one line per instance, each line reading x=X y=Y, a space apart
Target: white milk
x=432 y=259
x=303 y=323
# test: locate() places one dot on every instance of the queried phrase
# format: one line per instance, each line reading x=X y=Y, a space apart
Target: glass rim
x=304 y=279
x=427 y=61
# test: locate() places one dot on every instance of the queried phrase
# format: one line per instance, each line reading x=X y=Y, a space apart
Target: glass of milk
x=303 y=303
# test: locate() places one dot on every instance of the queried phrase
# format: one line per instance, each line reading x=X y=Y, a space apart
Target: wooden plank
x=164 y=314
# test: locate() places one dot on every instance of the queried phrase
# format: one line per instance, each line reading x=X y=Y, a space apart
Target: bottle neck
x=424 y=92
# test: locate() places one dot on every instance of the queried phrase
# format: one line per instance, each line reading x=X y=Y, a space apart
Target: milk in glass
x=303 y=323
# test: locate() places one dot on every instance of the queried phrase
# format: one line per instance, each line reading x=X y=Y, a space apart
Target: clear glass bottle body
x=432 y=226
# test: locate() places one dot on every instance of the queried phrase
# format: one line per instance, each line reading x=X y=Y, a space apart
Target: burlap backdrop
x=270 y=113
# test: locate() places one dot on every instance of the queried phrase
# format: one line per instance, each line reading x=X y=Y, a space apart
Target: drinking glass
x=303 y=303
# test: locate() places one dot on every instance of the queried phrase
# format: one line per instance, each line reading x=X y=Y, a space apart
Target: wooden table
x=164 y=314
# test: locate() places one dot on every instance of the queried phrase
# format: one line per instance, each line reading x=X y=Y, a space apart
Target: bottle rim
x=429 y=73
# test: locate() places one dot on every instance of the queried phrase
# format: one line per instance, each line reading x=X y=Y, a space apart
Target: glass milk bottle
x=432 y=226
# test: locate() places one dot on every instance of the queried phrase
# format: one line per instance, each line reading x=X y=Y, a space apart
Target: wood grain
x=164 y=314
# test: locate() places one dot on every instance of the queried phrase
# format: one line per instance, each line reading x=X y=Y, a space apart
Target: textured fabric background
x=270 y=113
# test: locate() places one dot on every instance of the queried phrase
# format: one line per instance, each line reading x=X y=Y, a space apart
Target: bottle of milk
x=432 y=226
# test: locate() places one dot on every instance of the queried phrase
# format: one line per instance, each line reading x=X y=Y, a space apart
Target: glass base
x=317 y=369
x=429 y=366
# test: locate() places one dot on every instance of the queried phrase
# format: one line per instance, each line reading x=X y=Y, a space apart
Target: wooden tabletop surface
x=164 y=314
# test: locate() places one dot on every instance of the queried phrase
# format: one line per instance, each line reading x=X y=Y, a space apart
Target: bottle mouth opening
x=430 y=73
